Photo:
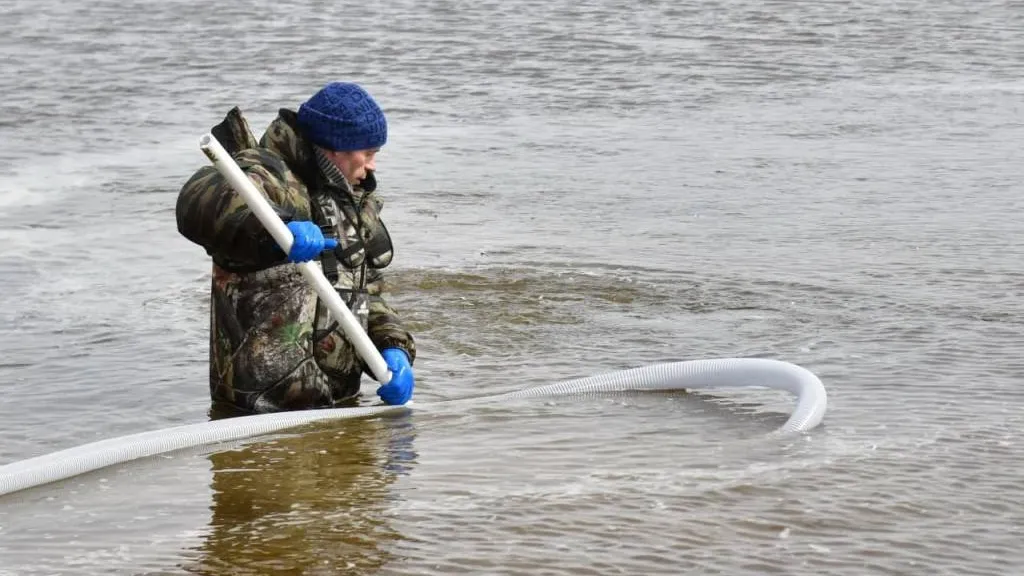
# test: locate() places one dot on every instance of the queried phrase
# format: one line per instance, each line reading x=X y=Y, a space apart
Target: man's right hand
x=308 y=241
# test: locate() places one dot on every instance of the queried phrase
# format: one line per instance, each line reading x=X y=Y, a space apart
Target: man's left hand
x=399 y=389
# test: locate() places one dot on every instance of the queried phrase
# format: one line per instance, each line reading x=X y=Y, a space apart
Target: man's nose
x=371 y=164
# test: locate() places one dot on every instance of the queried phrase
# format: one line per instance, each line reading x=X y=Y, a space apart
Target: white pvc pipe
x=353 y=329
x=689 y=375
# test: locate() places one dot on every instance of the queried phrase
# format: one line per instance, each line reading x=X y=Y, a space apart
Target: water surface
x=573 y=188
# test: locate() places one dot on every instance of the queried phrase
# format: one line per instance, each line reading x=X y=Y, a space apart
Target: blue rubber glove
x=399 y=389
x=309 y=241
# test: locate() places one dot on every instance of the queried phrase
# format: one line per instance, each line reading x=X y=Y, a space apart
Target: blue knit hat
x=343 y=117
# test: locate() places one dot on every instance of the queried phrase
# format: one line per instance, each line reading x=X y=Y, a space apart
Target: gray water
x=573 y=188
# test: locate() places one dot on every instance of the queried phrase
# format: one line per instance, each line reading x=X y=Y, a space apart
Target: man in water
x=273 y=344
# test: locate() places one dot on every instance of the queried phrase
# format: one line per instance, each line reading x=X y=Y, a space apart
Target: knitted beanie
x=343 y=117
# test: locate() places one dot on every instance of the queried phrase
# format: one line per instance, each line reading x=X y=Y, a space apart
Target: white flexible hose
x=703 y=375
x=689 y=375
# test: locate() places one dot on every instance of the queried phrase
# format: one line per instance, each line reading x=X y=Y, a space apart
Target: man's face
x=355 y=164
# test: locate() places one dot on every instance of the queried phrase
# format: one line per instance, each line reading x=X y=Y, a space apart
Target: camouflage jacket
x=273 y=345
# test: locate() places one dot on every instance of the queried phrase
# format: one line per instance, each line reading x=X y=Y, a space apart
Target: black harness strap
x=328 y=225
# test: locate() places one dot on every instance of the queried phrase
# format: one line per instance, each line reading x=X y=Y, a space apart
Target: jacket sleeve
x=384 y=326
x=211 y=214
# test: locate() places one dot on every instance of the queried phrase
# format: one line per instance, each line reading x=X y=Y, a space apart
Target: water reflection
x=314 y=502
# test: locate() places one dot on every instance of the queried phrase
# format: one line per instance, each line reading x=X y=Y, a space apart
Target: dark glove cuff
x=266 y=246
x=398 y=346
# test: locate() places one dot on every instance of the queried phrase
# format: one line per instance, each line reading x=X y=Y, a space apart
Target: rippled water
x=573 y=188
